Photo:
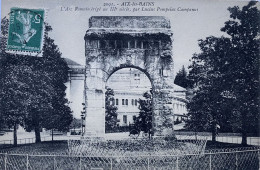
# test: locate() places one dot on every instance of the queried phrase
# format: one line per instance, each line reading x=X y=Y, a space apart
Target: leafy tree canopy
x=145 y=118
x=225 y=75
x=181 y=78
x=111 y=110
x=32 y=88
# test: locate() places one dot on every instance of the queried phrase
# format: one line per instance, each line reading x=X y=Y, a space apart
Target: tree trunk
x=15 y=134
x=214 y=131
x=37 y=134
x=51 y=134
x=244 y=130
x=244 y=138
x=196 y=133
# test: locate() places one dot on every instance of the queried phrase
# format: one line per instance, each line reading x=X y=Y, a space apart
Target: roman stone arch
x=115 y=42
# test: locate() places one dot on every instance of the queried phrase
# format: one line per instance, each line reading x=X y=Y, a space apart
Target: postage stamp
x=26 y=31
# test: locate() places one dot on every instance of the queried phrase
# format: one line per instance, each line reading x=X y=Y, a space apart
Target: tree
x=58 y=114
x=207 y=74
x=145 y=118
x=225 y=74
x=12 y=101
x=59 y=118
x=41 y=91
x=181 y=78
x=111 y=110
x=243 y=74
x=32 y=88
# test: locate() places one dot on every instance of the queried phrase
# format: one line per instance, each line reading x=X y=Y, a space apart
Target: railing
x=234 y=159
x=221 y=137
x=238 y=140
x=24 y=140
x=224 y=137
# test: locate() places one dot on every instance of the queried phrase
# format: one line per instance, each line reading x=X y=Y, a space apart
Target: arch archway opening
x=125 y=88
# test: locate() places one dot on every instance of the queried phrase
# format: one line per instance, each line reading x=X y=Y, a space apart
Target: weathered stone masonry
x=116 y=42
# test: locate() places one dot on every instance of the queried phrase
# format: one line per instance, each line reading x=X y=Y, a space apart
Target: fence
x=223 y=137
x=32 y=140
x=9 y=143
x=232 y=159
x=24 y=140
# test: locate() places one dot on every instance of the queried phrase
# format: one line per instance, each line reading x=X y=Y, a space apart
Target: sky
x=69 y=27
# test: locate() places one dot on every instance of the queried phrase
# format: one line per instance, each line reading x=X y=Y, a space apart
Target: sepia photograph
x=122 y=85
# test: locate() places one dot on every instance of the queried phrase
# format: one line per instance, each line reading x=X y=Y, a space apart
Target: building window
x=161 y=72
x=92 y=43
x=116 y=101
x=125 y=44
x=123 y=101
x=112 y=44
x=126 y=101
x=102 y=44
x=134 y=118
x=113 y=102
x=145 y=44
x=124 y=119
x=137 y=78
x=119 y=44
x=139 y=44
x=137 y=75
x=131 y=44
x=135 y=102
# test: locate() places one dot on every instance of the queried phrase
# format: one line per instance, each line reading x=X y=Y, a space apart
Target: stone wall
x=129 y=22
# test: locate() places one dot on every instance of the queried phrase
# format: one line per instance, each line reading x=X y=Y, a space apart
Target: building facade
x=75 y=87
x=129 y=85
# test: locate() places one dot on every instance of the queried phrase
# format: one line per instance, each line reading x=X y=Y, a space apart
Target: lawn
x=47 y=147
x=61 y=147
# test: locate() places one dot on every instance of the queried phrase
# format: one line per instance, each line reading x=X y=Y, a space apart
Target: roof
x=71 y=62
x=179 y=88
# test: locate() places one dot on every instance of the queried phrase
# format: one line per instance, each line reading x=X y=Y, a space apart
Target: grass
x=61 y=147
x=47 y=147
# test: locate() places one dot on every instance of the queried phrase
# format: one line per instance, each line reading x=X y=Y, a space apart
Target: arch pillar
x=94 y=102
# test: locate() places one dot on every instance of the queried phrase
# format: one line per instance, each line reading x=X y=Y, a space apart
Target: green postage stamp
x=26 y=31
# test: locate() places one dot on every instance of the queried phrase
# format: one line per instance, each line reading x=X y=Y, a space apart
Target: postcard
x=129 y=84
